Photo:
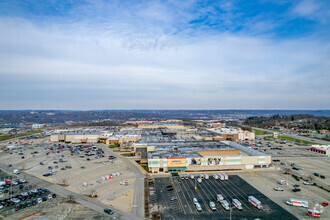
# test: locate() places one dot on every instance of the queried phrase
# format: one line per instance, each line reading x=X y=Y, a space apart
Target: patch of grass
x=297 y=140
x=144 y=166
x=260 y=132
x=126 y=154
x=113 y=146
x=123 y=151
x=10 y=136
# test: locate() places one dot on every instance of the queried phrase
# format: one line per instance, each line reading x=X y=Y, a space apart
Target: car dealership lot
x=184 y=208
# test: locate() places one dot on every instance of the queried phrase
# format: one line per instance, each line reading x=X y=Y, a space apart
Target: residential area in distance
x=230 y=168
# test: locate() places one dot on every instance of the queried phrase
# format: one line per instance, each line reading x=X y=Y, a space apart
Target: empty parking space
x=235 y=188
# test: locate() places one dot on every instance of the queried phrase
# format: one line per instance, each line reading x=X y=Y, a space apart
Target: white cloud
x=111 y=63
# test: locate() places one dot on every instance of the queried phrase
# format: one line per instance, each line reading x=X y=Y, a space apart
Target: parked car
x=17 y=207
x=172 y=198
x=296 y=190
x=325 y=204
x=108 y=211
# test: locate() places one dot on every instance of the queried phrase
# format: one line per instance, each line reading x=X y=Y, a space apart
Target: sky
x=97 y=54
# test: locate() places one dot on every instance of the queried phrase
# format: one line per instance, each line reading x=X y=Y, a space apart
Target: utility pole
x=230 y=209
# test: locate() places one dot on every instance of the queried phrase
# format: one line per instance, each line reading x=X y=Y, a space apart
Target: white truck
x=225 y=204
x=255 y=202
x=16 y=171
x=206 y=176
x=282 y=182
x=192 y=177
x=225 y=176
x=220 y=197
x=237 y=204
x=297 y=202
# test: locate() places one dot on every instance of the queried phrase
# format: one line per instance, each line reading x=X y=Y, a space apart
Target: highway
x=83 y=200
x=298 y=137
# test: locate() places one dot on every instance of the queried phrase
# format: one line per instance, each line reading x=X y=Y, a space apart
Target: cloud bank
x=164 y=55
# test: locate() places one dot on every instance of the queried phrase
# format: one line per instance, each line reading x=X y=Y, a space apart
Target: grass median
x=260 y=132
x=297 y=140
x=10 y=136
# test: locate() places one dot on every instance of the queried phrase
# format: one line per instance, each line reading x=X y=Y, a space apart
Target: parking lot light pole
x=230 y=210
x=195 y=183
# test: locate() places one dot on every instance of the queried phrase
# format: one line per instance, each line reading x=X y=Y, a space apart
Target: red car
x=325 y=204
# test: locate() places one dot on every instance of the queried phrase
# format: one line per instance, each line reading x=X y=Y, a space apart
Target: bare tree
x=286 y=170
x=93 y=193
x=310 y=178
x=71 y=198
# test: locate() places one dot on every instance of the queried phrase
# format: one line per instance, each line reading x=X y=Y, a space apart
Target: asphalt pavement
x=235 y=187
x=83 y=200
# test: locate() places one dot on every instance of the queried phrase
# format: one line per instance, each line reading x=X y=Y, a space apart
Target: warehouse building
x=321 y=149
x=76 y=137
x=200 y=156
x=161 y=125
x=234 y=134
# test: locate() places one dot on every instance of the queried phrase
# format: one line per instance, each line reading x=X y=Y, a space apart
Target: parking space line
x=243 y=199
x=184 y=195
x=237 y=195
x=210 y=188
x=229 y=197
x=190 y=201
x=200 y=195
x=174 y=185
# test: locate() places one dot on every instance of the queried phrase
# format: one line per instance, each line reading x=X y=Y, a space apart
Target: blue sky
x=96 y=54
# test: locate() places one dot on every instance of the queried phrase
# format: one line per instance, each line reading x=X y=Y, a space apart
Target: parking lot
x=72 y=168
x=235 y=187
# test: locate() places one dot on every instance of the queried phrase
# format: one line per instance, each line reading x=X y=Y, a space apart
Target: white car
x=15 y=200
x=199 y=180
x=104 y=163
x=50 y=196
x=277 y=188
x=39 y=200
x=14 y=183
x=22 y=180
x=192 y=177
x=123 y=183
x=198 y=207
x=1 y=206
x=212 y=206
x=195 y=200
x=306 y=183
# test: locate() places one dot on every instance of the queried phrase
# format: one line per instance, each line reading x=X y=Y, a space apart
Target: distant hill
x=60 y=117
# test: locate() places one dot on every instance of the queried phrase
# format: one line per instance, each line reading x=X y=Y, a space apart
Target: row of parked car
x=25 y=196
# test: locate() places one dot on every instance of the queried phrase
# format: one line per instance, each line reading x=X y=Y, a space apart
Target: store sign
x=176 y=162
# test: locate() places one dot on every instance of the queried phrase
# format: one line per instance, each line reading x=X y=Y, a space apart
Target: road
x=83 y=200
x=299 y=137
x=138 y=199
